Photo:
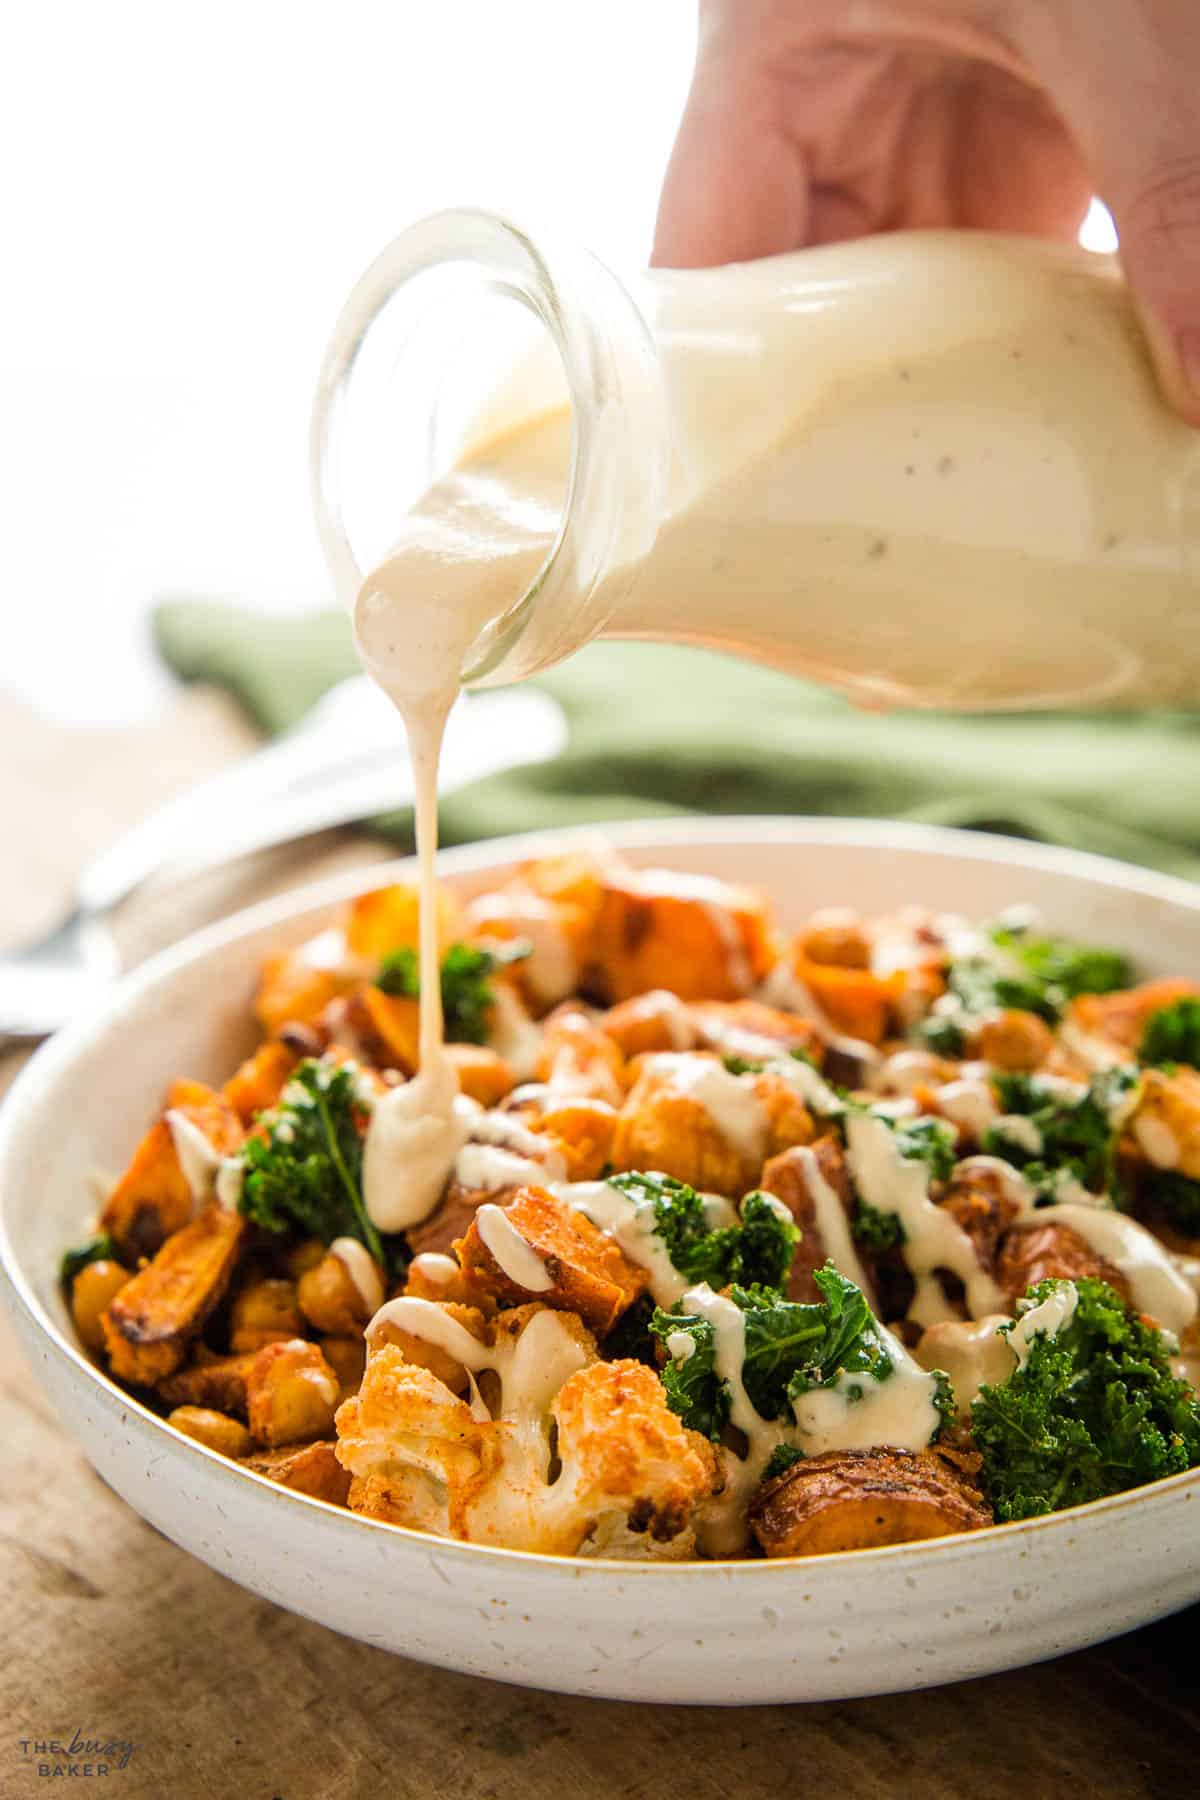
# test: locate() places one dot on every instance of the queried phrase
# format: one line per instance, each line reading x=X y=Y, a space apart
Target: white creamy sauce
x=512 y=1034
x=512 y=1253
x=970 y=1351
x=362 y=1269
x=230 y=1179
x=1092 y=1051
x=413 y=1141
x=1046 y=1319
x=1155 y=1283
x=899 y=1185
x=329 y=953
x=436 y=1267
x=859 y=1411
x=550 y=970
x=198 y=1160
x=784 y=989
x=486 y=1168
x=969 y=1103
x=729 y=1100
x=905 y=1071
x=681 y=1345
x=811 y=1085
x=832 y=1223
x=630 y=1222
x=1019 y=1129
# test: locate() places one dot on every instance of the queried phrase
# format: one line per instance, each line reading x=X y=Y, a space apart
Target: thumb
x=1139 y=127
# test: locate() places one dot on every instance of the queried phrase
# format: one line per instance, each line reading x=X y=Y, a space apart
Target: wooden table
x=113 y=1633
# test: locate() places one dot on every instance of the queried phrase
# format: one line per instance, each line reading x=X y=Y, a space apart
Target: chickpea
x=347 y=1358
x=1013 y=1040
x=92 y=1292
x=262 y=1313
x=291 y=1394
x=303 y=1257
x=835 y=935
x=216 y=1430
x=330 y=1300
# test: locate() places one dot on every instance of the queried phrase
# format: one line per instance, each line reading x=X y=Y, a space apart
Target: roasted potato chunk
x=330 y=1299
x=291 y=1394
x=263 y=1312
x=311 y=1469
x=583 y=1270
x=215 y=1384
x=859 y=1499
x=1051 y=1252
x=150 y=1323
x=786 y=1176
x=428 y=1355
x=216 y=1430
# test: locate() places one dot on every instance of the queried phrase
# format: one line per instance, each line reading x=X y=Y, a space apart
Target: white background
x=190 y=190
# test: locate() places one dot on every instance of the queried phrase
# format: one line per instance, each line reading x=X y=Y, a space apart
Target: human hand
x=814 y=120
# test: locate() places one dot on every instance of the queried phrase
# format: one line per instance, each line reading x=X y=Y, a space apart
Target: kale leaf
x=1094 y=1410
x=927 y=1140
x=693 y=1388
x=306 y=1173
x=100 y=1248
x=1172 y=1034
x=791 y=1347
x=760 y=1248
x=1078 y=1136
x=467 y=992
x=1175 y=1197
x=1048 y=972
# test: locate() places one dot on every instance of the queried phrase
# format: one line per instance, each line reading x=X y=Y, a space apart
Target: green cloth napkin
x=658 y=729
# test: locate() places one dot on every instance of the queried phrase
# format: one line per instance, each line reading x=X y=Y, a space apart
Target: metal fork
x=344 y=762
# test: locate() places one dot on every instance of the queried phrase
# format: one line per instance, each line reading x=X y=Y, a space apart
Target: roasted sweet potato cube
x=658 y=1020
x=291 y=1393
x=583 y=1131
x=155 y=1316
x=483 y=1074
x=387 y=919
x=153 y=1198
x=292 y=992
x=311 y=1469
x=218 y=1383
x=585 y=1271
x=787 y=1176
x=1121 y=1016
x=578 y=1058
x=853 y=1000
x=699 y=937
x=859 y=1499
x=753 y=1029
x=388 y=1027
x=260 y=1080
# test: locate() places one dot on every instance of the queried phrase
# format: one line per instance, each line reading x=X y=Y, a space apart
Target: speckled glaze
x=714 y=1633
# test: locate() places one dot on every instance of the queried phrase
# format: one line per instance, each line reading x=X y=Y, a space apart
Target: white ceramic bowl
x=719 y=1633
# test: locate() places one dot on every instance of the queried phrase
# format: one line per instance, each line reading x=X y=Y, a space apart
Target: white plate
x=720 y=1633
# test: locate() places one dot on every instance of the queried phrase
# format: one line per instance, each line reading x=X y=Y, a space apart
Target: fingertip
x=1175 y=350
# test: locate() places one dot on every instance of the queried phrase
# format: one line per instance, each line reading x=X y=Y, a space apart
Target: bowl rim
x=48 y=1062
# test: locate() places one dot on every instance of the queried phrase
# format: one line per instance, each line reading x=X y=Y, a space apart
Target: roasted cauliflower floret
x=553 y=1452
x=687 y=1116
x=628 y=1464
x=1166 y=1123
